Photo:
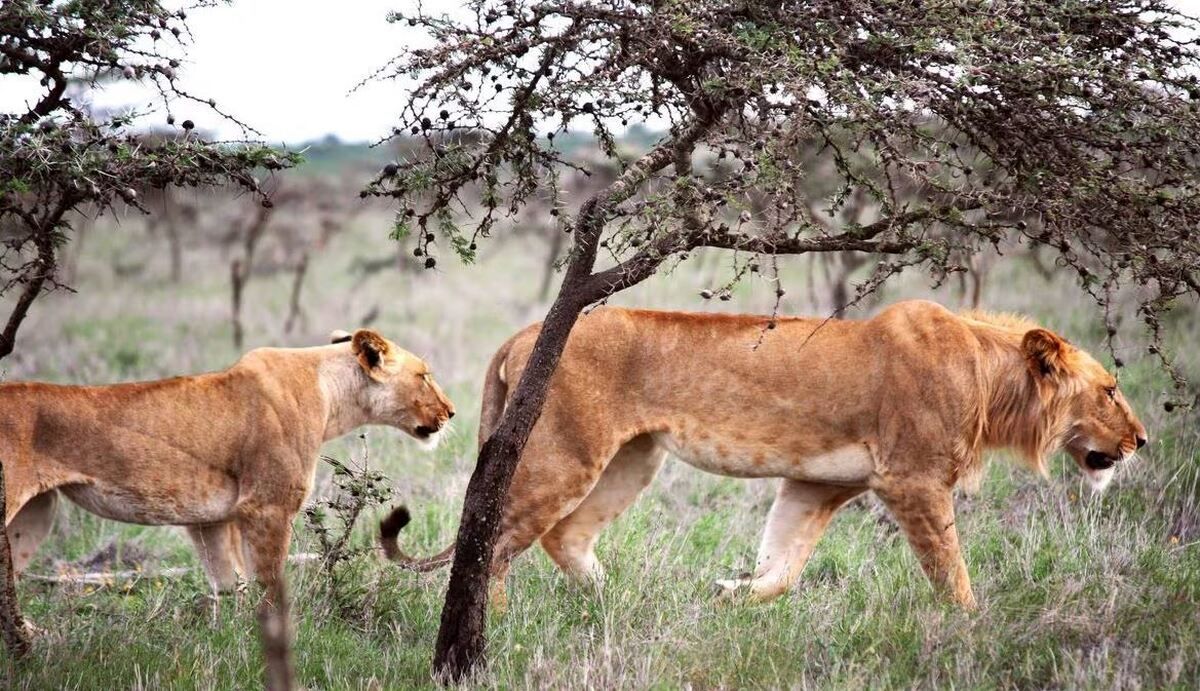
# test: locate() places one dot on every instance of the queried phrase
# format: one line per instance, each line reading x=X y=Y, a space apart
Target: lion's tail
x=495 y=392
x=389 y=533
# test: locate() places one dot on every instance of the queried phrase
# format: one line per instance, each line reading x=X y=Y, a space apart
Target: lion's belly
x=849 y=464
x=155 y=507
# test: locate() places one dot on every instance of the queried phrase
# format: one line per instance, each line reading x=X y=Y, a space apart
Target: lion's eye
x=1111 y=392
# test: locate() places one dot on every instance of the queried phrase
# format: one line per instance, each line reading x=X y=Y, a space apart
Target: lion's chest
x=843 y=464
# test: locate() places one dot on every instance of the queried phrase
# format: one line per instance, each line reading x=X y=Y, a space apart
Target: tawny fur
x=903 y=404
x=231 y=455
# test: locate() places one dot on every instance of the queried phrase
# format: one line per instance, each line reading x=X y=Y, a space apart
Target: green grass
x=1075 y=591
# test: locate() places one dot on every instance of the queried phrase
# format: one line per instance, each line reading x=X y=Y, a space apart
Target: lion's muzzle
x=1098 y=460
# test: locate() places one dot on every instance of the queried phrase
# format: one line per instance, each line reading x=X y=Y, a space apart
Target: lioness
x=230 y=455
x=903 y=404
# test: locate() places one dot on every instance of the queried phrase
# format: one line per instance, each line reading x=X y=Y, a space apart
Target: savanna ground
x=1075 y=590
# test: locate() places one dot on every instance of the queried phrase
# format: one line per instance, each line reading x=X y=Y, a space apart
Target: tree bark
x=461 y=642
x=12 y=625
x=33 y=288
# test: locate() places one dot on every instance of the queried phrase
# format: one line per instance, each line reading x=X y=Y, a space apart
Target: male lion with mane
x=903 y=404
x=230 y=455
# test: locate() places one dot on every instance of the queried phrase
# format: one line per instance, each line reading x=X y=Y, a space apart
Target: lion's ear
x=370 y=348
x=1046 y=352
x=339 y=336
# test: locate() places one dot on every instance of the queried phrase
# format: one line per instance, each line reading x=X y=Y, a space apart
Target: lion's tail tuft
x=389 y=533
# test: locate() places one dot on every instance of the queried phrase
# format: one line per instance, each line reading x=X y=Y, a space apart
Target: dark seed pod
x=189 y=125
x=390 y=169
x=267 y=204
x=430 y=262
x=445 y=115
x=706 y=294
x=417 y=252
x=429 y=237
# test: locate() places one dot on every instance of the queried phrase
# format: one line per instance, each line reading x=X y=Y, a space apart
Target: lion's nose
x=450 y=415
x=1141 y=441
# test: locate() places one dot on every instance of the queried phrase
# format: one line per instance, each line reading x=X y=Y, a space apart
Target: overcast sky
x=286 y=67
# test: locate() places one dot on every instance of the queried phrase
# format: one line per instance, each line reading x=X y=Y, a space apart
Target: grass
x=1076 y=591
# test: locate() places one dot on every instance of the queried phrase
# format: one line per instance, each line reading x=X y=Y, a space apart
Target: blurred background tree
x=1071 y=126
x=57 y=157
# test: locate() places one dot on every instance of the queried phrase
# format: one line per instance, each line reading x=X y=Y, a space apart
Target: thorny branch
x=58 y=158
x=1072 y=126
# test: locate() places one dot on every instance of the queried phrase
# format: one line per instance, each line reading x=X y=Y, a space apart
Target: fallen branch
x=113 y=577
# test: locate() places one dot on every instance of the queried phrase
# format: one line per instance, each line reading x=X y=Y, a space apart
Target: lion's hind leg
x=798 y=518
x=30 y=526
x=559 y=467
x=571 y=542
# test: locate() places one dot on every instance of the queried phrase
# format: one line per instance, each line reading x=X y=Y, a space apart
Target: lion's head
x=1091 y=418
x=400 y=390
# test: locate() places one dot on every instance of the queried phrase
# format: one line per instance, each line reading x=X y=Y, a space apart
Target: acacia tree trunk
x=12 y=626
x=461 y=640
x=43 y=270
